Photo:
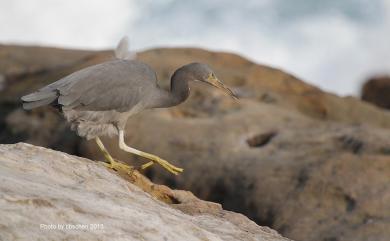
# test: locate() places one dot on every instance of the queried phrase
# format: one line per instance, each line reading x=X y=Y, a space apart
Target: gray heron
x=99 y=99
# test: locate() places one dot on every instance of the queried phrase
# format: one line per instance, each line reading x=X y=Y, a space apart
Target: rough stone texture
x=307 y=163
x=44 y=187
x=333 y=178
x=377 y=91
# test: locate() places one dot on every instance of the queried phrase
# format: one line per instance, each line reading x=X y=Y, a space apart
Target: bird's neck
x=179 y=86
x=178 y=93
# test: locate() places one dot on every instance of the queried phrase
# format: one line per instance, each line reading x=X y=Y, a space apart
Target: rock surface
x=377 y=91
x=276 y=167
x=307 y=163
x=49 y=195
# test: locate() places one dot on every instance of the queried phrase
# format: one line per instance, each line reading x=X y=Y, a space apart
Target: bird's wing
x=115 y=85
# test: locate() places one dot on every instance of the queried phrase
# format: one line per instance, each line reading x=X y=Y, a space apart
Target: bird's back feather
x=113 y=85
x=122 y=51
x=37 y=103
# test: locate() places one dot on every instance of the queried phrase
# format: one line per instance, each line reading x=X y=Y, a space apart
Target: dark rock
x=377 y=91
x=261 y=139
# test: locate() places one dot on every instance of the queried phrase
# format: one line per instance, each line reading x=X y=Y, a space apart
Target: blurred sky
x=334 y=44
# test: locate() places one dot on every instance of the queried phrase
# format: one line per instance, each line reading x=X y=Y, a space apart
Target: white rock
x=49 y=195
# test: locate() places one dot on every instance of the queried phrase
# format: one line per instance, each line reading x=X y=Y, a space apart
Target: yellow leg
x=155 y=159
x=111 y=162
x=146 y=165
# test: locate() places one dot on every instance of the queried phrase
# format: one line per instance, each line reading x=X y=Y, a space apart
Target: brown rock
x=324 y=174
x=377 y=91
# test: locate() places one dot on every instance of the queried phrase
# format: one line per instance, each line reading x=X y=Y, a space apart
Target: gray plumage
x=122 y=50
x=99 y=99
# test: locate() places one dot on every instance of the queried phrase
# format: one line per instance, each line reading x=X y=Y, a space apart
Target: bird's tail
x=39 y=98
x=122 y=50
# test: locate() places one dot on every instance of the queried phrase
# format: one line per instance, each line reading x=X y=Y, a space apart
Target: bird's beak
x=214 y=81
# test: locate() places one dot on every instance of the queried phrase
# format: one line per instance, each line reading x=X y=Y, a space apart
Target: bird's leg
x=155 y=159
x=111 y=162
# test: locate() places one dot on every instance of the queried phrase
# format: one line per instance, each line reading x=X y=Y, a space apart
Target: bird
x=98 y=100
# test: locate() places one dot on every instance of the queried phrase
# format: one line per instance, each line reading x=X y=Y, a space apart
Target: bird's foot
x=146 y=165
x=118 y=166
x=165 y=164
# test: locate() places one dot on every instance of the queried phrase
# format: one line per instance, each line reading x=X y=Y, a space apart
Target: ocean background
x=334 y=44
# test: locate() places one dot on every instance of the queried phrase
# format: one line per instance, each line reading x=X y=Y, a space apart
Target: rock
x=2 y=82
x=49 y=195
x=307 y=163
x=18 y=63
x=377 y=91
x=275 y=167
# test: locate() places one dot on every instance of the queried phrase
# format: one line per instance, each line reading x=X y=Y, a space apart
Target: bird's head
x=203 y=73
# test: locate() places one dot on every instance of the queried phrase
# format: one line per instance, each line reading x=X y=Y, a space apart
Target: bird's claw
x=118 y=166
x=165 y=164
x=146 y=165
